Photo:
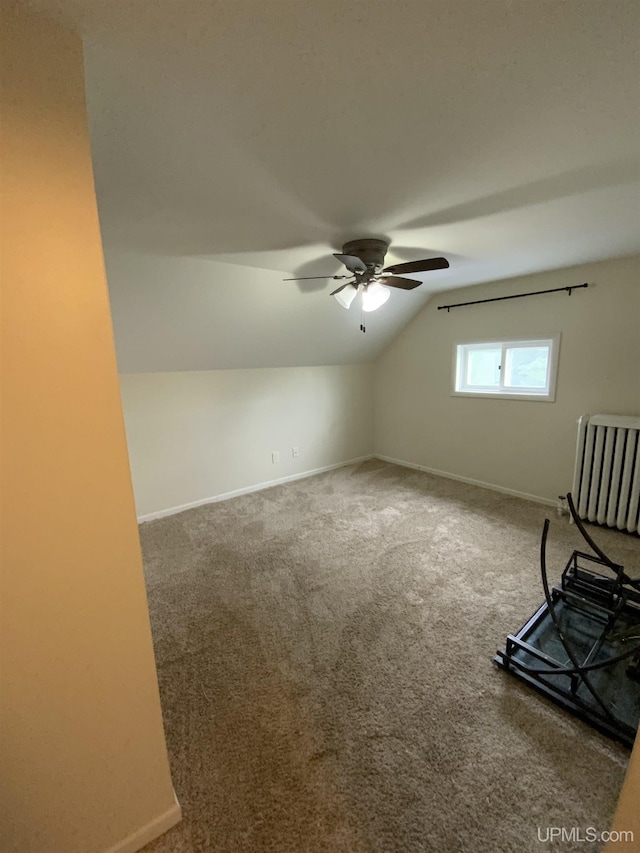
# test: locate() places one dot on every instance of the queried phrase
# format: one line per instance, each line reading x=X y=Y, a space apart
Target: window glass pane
x=483 y=367
x=526 y=367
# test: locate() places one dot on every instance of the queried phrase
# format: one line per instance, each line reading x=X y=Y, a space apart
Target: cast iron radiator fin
x=606 y=478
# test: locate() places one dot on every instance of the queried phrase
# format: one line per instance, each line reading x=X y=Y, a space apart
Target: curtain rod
x=515 y=296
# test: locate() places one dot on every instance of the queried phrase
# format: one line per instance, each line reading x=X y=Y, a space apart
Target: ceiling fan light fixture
x=374 y=295
x=346 y=296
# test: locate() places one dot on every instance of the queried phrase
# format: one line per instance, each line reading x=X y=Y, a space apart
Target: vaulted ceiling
x=241 y=141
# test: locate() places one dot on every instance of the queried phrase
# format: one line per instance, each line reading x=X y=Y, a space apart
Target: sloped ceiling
x=237 y=142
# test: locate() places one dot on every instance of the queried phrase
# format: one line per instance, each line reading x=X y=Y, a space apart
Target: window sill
x=538 y=398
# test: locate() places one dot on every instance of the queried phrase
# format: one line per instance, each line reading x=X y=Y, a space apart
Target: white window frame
x=460 y=354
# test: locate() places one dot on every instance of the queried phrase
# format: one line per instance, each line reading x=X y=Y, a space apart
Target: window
x=516 y=369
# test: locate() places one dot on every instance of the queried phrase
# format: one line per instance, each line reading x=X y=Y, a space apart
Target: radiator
x=606 y=478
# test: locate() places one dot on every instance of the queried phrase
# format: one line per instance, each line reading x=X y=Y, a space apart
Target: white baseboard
x=225 y=496
x=492 y=486
x=150 y=831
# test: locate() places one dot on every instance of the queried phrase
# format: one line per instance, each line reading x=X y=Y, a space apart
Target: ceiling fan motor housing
x=370 y=251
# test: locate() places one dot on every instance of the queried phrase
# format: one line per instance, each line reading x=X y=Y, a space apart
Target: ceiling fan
x=365 y=259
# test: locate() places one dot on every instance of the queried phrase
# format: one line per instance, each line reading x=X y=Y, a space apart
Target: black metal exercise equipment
x=591 y=615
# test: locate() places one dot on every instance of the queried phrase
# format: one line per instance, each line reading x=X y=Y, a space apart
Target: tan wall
x=197 y=435
x=526 y=446
x=84 y=763
x=627 y=817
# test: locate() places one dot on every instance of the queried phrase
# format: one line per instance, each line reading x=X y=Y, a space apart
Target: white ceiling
x=235 y=141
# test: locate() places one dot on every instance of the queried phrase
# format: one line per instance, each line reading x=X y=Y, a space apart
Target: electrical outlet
x=275 y=456
x=295 y=452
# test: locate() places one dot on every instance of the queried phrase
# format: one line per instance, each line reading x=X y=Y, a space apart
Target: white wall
x=526 y=446
x=196 y=435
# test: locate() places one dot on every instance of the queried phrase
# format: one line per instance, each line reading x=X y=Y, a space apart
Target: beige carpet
x=324 y=656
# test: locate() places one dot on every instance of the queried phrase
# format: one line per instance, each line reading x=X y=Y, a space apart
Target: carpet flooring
x=324 y=653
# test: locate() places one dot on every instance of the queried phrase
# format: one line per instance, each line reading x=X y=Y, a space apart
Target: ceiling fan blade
x=342 y=287
x=402 y=283
x=312 y=277
x=351 y=262
x=419 y=266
